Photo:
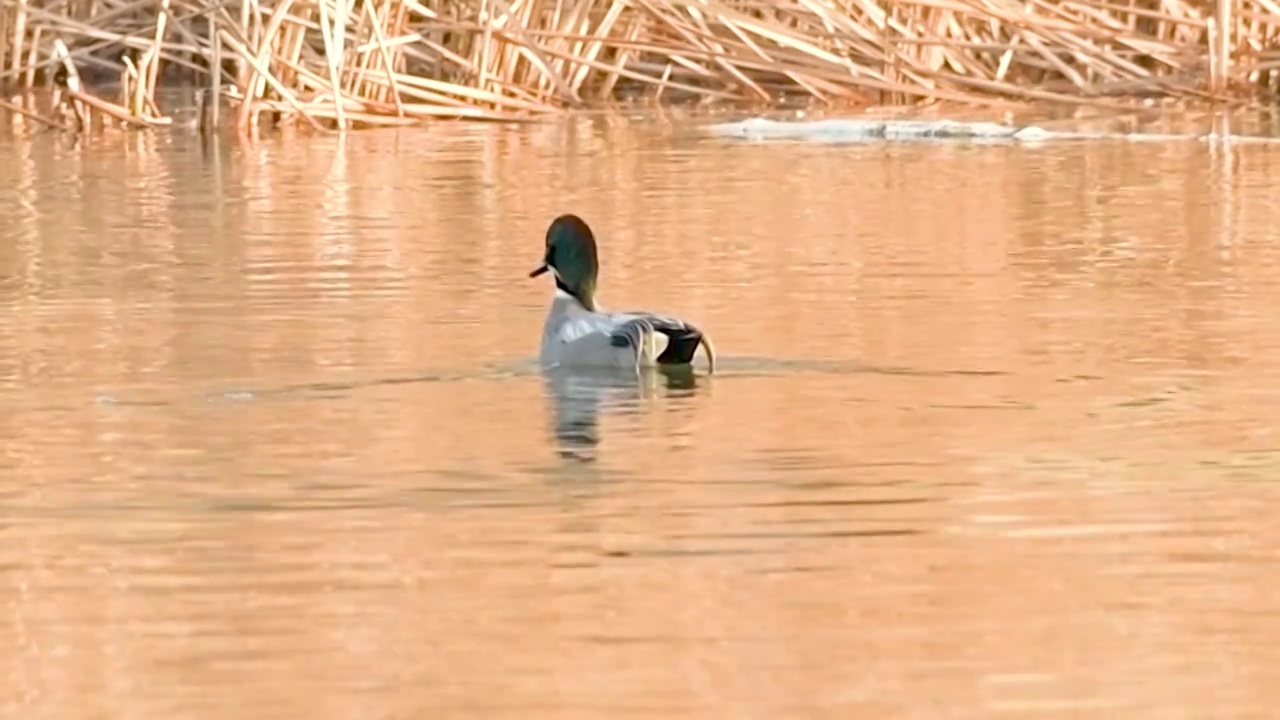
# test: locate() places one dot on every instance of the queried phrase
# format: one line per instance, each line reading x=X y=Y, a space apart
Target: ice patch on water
x=853 y=131
x=867 y=130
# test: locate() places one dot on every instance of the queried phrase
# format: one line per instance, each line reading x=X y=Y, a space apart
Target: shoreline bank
x=330 y=64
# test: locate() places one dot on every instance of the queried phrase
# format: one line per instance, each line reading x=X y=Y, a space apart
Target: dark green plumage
x=571 y=255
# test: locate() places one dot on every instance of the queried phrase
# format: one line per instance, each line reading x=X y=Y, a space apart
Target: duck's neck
x=584 y=294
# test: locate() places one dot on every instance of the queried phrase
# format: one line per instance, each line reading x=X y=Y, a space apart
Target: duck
x=578 y=333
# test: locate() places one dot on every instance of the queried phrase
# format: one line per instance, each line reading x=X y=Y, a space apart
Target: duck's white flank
x=574 y=336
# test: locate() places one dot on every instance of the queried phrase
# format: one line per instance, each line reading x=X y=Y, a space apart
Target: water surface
x=994 y=433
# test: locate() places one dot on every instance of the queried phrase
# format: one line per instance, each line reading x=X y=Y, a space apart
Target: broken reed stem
x=215 y=75
x=61 y=53
x=520 y=59
x=116 y=111
x=333 y=55
x=1224 y=47
x=385 y=55
x=260 y=70
x=19 y=34
x=31 y=115
x=153 y=61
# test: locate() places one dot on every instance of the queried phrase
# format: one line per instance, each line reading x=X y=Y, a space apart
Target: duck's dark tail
x=683 y=343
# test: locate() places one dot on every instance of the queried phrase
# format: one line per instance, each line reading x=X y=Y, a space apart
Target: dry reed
x=341 y=63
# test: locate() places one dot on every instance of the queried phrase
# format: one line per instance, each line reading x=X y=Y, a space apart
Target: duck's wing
x=683 y=338
x=593 y=339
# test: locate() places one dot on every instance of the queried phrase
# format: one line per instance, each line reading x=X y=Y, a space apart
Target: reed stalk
x=334 y=64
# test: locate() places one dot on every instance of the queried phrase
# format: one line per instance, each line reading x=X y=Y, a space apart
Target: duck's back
x=575 y=336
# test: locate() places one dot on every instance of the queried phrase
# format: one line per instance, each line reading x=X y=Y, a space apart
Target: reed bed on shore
x=343 y=63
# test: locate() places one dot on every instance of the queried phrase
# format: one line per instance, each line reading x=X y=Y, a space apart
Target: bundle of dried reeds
x=339 y=63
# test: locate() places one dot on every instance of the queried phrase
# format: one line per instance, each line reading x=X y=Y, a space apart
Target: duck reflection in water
x=579 y=396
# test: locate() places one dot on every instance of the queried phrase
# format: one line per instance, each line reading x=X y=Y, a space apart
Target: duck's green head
x=571 y=256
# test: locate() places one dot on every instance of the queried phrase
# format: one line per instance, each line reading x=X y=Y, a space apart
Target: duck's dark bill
x=541 y=269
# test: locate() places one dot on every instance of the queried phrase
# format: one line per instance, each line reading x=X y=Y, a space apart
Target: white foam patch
x=854 y=131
